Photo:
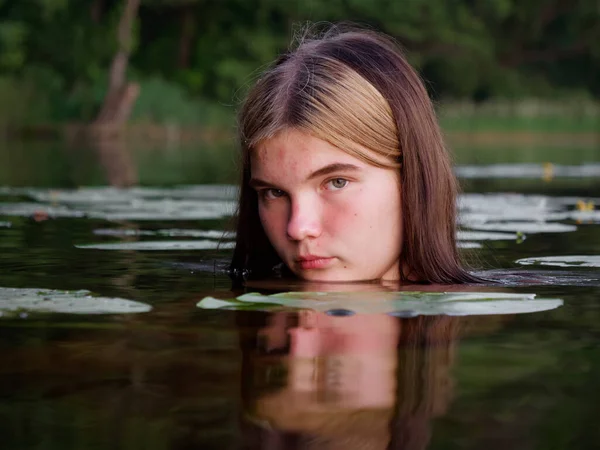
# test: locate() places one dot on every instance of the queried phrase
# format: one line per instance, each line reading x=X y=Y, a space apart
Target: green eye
x=338 y=183
x=273 y=193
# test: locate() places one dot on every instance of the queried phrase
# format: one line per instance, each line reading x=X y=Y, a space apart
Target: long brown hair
x=355 y=90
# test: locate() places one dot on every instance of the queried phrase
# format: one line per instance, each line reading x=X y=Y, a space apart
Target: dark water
x=181 y=377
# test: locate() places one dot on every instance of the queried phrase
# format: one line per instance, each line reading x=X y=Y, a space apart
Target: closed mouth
x=314 y=262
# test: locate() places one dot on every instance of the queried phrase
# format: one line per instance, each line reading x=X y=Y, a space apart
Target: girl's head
x=345 y=175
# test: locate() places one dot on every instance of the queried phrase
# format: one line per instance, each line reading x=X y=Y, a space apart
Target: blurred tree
x=59 y=51
x=121 y=94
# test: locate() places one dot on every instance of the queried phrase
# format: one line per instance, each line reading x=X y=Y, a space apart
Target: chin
x=331 y=277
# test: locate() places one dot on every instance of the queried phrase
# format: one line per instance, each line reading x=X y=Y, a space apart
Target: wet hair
x=356 y=90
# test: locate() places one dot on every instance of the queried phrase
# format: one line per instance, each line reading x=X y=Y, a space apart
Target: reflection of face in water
x=315 y=380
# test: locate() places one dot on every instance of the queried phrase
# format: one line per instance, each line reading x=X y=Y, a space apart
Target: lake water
x=119 y=329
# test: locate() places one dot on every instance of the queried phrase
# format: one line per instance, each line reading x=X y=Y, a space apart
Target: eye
x=337 y=184
x=271 y=194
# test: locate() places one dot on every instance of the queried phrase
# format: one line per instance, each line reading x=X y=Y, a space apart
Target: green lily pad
x=562 y=261
x=160 y=245
x=172 y=232
x=14 y=301
x=484 y=236
x=468 y=245
x=527 y=170
x=586 y=216
x=184 y=203
x=525 y=227
x=406 y=304
x=29 y=209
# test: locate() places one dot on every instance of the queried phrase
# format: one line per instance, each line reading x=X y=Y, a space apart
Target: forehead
x=292 y=153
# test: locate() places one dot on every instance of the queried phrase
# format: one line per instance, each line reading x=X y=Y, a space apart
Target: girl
x=345 y=176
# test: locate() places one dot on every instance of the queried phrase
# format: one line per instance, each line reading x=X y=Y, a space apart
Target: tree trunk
x=121 y=95
x=188 y=31
x=97 y=10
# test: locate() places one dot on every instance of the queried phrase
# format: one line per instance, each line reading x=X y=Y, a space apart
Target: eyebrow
x=326 y=170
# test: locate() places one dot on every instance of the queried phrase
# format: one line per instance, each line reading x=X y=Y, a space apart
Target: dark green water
x=180 y=377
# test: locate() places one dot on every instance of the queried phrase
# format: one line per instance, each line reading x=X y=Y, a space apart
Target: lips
x=314 y=262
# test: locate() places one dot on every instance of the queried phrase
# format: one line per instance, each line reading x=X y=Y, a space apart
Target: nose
x=304 y=221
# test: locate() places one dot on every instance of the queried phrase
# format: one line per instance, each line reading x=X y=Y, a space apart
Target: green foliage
x=57 y=53
x=163 y=102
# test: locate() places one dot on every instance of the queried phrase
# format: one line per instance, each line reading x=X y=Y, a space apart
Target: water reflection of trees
x=108 y=146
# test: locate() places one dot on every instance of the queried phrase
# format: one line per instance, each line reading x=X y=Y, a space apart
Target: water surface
x=174 y=376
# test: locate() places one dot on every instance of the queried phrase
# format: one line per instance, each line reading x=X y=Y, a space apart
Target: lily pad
x=160 y=245
x=468 y=245
x=586 y=216
x=184 y=203
x=563 y=261
x=417 y=303
x=527 y=171
x=484 y=236
x=14 y=300
x=525 y=227
x=88 y=195
x=30 y=209
x=125 y=232
x=143 y=209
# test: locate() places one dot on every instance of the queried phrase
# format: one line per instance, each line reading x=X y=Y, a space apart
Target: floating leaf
x=468 y=245
x=88 y=195
x=160 y=245
x=526 y=227
x=563 y=261
x=209 y=234
x=484 y=236
x=30 y=209
x=417 y=303
x=586 y=216
x=527 y=171
x=184 y=203
x=73 y=302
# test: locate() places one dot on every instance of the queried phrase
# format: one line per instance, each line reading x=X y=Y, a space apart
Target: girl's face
x=330 y=216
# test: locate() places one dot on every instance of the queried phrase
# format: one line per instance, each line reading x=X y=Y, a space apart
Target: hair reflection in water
x=317 y=381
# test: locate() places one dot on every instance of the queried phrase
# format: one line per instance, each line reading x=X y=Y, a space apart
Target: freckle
x=345 y=267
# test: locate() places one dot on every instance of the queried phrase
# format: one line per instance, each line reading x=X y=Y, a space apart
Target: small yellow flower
x=548 y=171
x=585 y=206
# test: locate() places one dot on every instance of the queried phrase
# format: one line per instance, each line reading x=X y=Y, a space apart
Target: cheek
x=272 y=220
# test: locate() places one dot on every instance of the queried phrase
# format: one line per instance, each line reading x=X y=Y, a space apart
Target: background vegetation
x=191 y=59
